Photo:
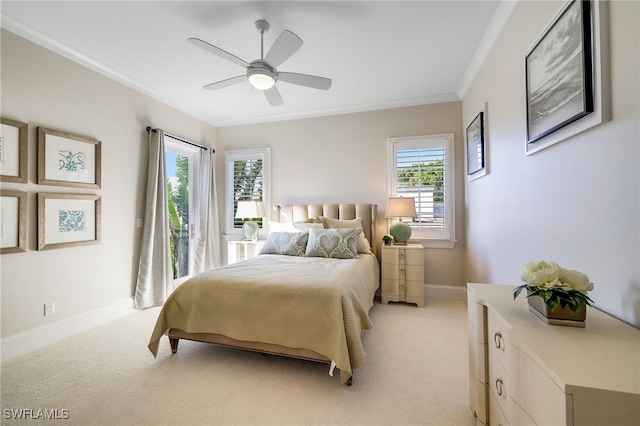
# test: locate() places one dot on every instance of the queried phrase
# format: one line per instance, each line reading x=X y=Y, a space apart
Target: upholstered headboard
x=365 y=212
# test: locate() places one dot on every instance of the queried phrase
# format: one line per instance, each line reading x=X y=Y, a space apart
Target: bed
x=299 y=304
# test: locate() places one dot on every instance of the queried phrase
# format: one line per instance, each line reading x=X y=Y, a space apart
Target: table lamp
x=400 y=207
x=250 y=210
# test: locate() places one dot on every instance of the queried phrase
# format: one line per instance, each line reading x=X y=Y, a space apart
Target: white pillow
x=305 y=226
x=282 y=227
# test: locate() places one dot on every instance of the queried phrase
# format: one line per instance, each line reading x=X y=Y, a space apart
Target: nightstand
x=242 y=250
x=403 y=274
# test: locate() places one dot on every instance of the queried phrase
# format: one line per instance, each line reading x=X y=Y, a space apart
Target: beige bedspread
x=300 y=302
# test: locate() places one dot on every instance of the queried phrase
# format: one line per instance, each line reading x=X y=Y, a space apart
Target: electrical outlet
x=49 y=308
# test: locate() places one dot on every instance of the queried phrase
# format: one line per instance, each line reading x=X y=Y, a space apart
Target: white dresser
x=525 y=372
x=403 y=274
x=242 y=250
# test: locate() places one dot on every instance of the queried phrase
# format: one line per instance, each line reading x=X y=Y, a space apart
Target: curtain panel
x=155 y=274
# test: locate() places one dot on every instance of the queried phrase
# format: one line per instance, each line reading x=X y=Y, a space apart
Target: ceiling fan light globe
x=261 y=81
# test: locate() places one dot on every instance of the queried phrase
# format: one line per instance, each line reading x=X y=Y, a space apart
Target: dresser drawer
x=476 y=315
x=499 y=384
x=538 y=395
x=497 y=338
x=496 y=415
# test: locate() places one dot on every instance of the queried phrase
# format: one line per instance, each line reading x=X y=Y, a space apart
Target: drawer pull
x=497 y=339
x=401 y=254
x=499 y=386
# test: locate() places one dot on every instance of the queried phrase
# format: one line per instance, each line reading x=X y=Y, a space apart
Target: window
x=180 y=160
x=248 y=177
x=422 y=167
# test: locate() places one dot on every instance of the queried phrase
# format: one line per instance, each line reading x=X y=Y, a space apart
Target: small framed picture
x=67 y=220
x=14 y=151
x=13 y=221
x=65 y=159
x=559 y=73
x=476 y=161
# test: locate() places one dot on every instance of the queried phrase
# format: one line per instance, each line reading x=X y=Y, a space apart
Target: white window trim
x=247 y=154
x=429 y=239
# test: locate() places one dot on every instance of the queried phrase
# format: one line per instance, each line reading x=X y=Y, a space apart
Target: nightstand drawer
x=408 y=272
x=242 y=250
x=408 y=256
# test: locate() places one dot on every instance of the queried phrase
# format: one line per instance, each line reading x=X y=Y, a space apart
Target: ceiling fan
x=262 y=73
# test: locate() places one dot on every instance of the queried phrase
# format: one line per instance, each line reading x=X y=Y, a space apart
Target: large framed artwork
x=13 y=221
x=476 y=159
x=14 y=150
x=65 y=159
x=564 y=75
x=67 y=220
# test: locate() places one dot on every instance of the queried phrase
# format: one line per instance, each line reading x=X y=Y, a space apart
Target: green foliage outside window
x=247 y=186
x=424 y=174
x=178 y=205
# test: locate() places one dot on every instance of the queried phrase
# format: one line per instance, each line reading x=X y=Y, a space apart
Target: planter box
x=560 y=316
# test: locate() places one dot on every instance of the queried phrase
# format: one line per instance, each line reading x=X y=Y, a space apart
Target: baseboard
x=39 y=337
x=433 y=291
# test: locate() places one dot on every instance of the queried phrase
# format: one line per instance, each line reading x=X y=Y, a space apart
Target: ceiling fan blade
x=226 y=83
x=285 y=46
x=273 y=97
x=308 y=80
x=217 y=51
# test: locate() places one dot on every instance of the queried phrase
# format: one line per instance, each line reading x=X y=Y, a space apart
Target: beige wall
x=577 y=202
x=43 y=89
x=343 y=158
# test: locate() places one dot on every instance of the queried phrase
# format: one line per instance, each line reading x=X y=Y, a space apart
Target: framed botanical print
x=13 y=221
x=65 y=159
x=14 y=151
x=67 y=220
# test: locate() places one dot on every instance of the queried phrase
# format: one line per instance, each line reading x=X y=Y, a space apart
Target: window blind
x=420 y=174
x=248 y=179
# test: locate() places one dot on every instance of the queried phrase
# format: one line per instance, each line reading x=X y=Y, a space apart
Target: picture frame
x=476 y=156
x=66 y=159
x=14 y=151
x=567 y=89
x=68 y=220
x=13 y=221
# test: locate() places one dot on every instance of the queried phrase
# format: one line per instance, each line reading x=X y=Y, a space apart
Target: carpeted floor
x=416 y=374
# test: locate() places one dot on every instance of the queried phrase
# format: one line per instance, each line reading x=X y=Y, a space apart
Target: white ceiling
x=379 y=54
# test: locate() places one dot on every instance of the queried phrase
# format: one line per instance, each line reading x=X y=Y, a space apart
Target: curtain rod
x=150 y=129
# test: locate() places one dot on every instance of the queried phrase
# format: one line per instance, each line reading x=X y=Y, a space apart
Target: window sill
x=444 y=244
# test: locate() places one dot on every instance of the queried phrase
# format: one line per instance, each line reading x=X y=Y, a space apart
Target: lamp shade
x=401 y=207
x=250 y=209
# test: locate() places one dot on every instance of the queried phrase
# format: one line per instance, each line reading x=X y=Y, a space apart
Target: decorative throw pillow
x=339 y=243
x=288 y=243
x=363 y=243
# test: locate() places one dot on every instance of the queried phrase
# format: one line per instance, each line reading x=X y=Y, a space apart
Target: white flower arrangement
x=556 y=285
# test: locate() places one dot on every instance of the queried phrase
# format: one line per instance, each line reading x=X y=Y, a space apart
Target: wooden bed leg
x=174 y=344
x=350 y=381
